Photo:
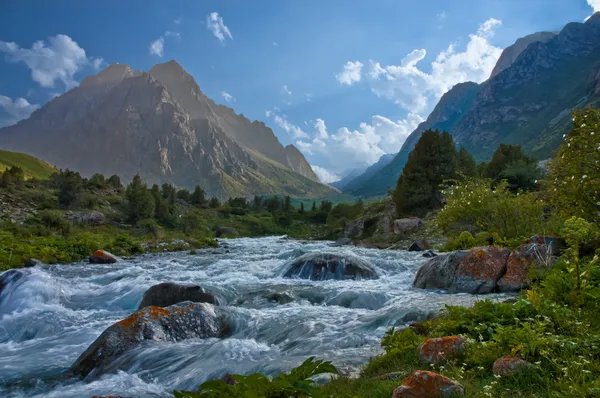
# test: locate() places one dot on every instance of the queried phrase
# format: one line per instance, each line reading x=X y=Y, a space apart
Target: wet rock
x=175 y=323
x=8 y=278
x=419 y=246
x=102 y=257
x=355 y=228
x=343 y=242
x=429 y=254
x=404 y=225
x=441 y=349
x=323 y=266
x=166 y=294
x=424 y=384
x=509 y=366
x=32 y=262
x=228 y=379
x=226 y=232
x=475 y=271
x=281 y=298
x=521 y=261
x=417 y=316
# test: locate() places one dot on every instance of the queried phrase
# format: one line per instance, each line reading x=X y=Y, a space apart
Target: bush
x=150 y=226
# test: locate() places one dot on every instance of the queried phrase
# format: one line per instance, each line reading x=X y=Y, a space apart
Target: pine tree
x=214 y=203
x=70 y=189
x=288 y=204
x=314 y=207
x=466 y=165
x=302 y=207
x=140 y=201
x=198 y=197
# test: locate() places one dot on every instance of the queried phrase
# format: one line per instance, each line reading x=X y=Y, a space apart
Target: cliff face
x=527 y=101
x=161 y=126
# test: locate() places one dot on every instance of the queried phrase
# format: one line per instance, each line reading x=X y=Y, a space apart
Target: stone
x=343 y=242
x=404 y=225
x=425 y=384
x=175 y=323
x=92 y=218
x=323 y=266
x=521 y=261
x=355 y=228
x=8 y=278
x=228 y=379
x=475 y=271
x=33 y=262
x=226 y=232
x=102 y=257
x=441 y=349
x=167 y=294
x=510 y=365
x=419 y=246
x=429 y=254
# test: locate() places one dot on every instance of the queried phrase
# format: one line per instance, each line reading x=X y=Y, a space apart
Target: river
x=48 y=318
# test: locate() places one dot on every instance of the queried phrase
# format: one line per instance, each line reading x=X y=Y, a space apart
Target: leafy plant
x=297 y=383
x=396 y=340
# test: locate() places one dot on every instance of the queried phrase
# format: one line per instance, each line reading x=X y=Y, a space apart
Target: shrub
x=149 y=226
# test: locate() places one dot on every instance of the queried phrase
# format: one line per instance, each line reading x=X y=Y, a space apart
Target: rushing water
x=50 y=317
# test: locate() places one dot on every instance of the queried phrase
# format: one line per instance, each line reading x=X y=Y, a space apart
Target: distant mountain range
x=527 y=101
x=160 y=125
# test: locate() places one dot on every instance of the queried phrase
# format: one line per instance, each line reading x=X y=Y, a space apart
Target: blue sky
x=345 y=81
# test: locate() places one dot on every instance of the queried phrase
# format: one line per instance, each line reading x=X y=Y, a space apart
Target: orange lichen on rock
x=102 y=257
x=520 y=262
x=440 y=349
x=424 y=384
x=509 y=365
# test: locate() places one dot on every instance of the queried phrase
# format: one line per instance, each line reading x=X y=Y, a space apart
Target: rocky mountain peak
x=511 y=53
x=112 y=74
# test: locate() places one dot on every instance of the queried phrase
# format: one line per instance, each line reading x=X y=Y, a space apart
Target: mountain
x=348 y=177
x=527 y=101
x=32 y=167
x=368 y=173
x=160 y=125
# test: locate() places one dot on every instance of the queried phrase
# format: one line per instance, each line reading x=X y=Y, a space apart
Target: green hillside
x=32 y=166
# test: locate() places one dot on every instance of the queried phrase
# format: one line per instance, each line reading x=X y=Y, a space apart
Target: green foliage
x=71 y=192
x=475 y=206
x=140 y=201
x=465 y=163
x=13 y=175
x=343 y=212
x=574 y=175
x=577 y=232
x=396 y=341
x=184 y=194
x=430 y=164
x=97 y=181
x=114 y=181
x=297 y=383
x=32 y=167
x=198 y=197
x=511 y=164
x=149 y=226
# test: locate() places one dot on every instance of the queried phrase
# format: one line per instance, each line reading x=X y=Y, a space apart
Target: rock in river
x=323 y=266
x=102 y=257
x=166 y=294
x=175 y=323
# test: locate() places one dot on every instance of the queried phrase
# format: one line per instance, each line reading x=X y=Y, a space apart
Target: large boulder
x=8 y=278
x=322 y=266
x=521 y=261
x=475 y=271
x=441 y=349
x=343 y=242
x=510 y=366
x=167 y=294
x=33 y=262
x=102 y=257
x=175 y=323
x=92 y=218
x=425 y=384
x=226 y=232
x=355 y=228
x=404 y=225
x=419 y=246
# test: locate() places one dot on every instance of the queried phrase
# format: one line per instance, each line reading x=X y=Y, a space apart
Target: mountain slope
x=348 y=177
x=364 y=177
x=32 y=166
x=127 y=122
x=527 y=101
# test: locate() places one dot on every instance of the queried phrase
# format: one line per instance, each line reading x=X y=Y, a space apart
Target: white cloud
x=157 y=47
x=290 y=128
x=16 y=110
x=214 y=23
x=321 y=128
x=97 y=63
x=177 y=21
x=176 y=35
x=57 y=60
x=441 y=16
x=351 y=73
x=595 y=5
x=286 y=90
x=228 y=97
x=325 y=175
x=308 y=97
x=358 y=148
x=417 y=91
x=275 y=44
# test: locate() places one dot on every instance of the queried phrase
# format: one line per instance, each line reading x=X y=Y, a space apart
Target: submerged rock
x=424 y=384
x=475 y=271
x=323 y=266
x=33 y=262
x=174 y=323
x=429 y=254
x=343 y=242
x=8 y=278
x=419 y=246
x=166 y=294
x=102 y=257
x=439 y=350
x=521 y=261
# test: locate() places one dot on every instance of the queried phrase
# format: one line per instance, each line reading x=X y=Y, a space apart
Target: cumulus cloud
x=358 y=148
x=441 y=16
x=418 y=91
x=214 y=23
x=351 y=73
x=177 y=21
x=97 y=63
x=228 y=97
x=286 y=90
x=176 y=35
x=57 y=60
x=16 y=110
x=157 y=47
x=325 y=175
x=290 y=128
x=595 y=5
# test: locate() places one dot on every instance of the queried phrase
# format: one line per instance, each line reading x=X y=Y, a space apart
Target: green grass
x=32 y=166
